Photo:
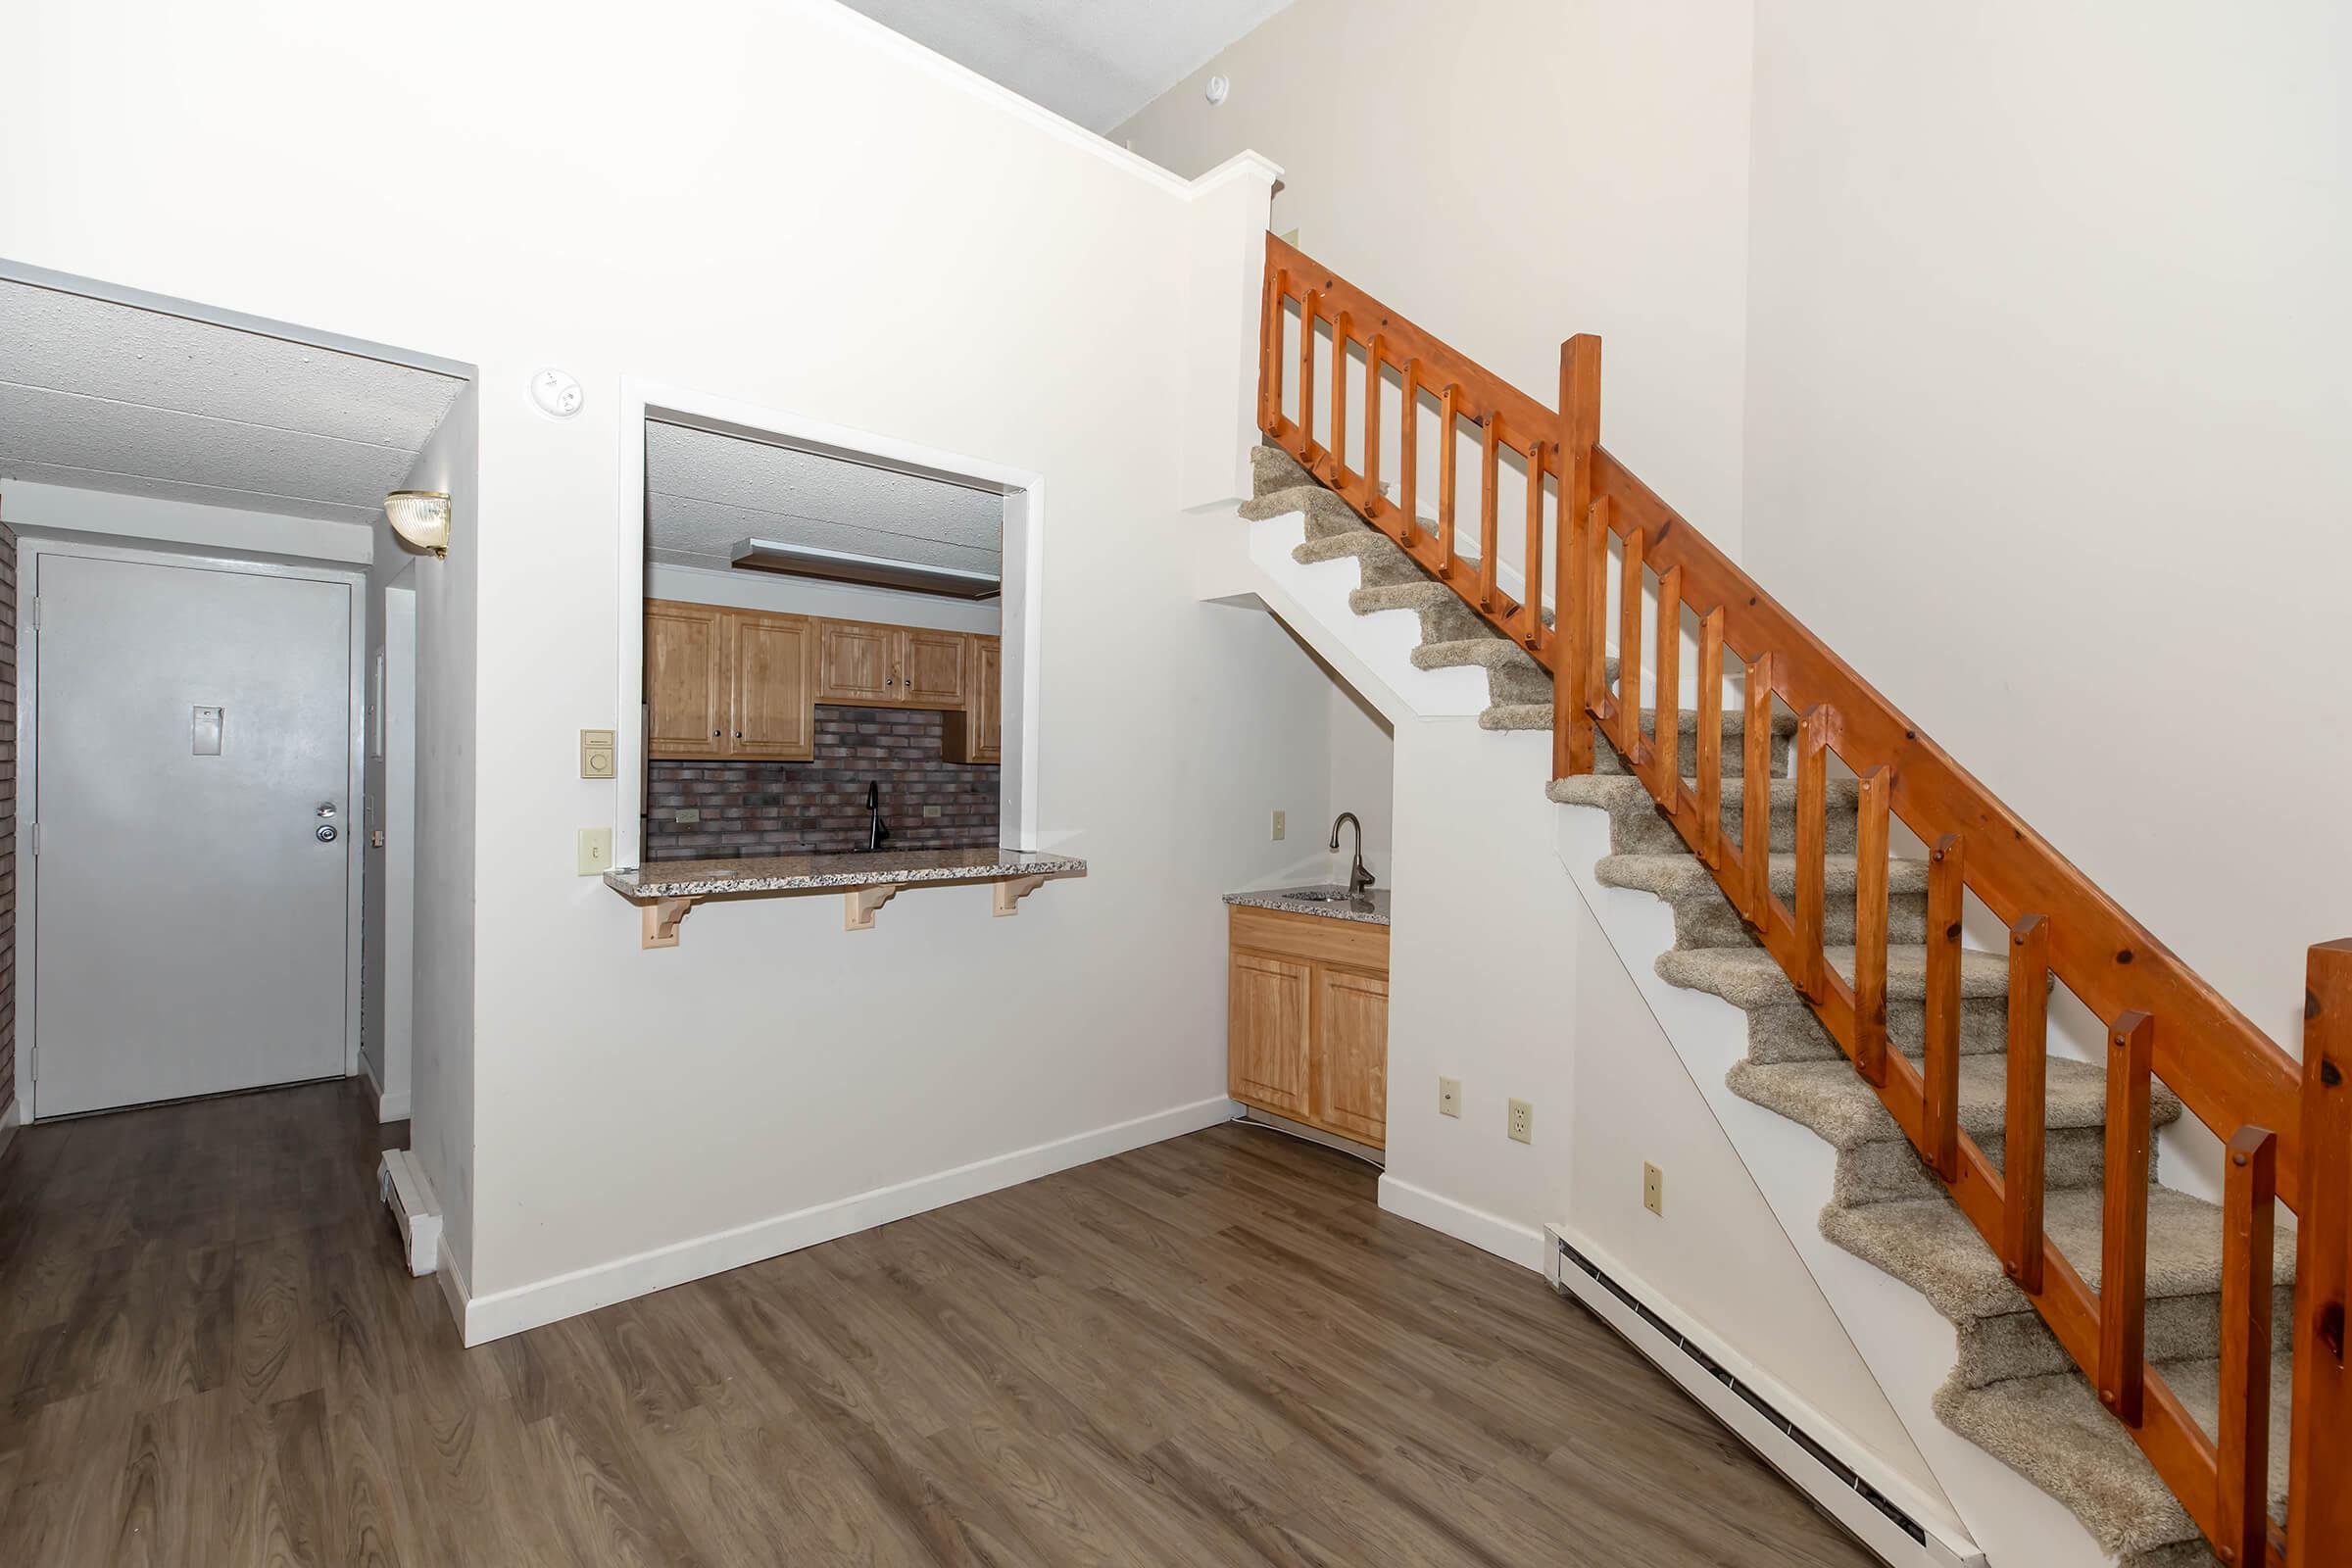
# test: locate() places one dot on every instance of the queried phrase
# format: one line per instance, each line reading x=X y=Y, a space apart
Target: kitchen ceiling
x=107 y=396
x=1095 y=62
x=706 y=493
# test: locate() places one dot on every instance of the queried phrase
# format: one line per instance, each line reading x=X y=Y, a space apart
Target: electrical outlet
x=1522 y=1123
x=1450 y=1096
x=1282 y=824
x=686 y=816
x=1653 y=1189
x=596 y=850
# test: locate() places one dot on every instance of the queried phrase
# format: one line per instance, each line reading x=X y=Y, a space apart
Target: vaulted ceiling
x=1095 y=62
x=109 y=395
x=706 y=493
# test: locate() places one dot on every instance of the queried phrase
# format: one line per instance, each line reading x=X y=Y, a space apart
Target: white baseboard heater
x=409 y=1199
x=1866 y=1512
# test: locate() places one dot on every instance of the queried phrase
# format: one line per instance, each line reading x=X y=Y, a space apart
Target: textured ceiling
x=116 y=397
x=706 y=493
x=1095 y=62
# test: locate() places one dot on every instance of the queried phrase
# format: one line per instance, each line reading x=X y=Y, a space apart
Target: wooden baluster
x=1490 y=512
x=1940 y=1110
x=1372 y=496
x=1408 y=453
x=1270 y=350
x=1601 y=705
x=1445 y=478
x=1812 y=839
x=2241 y=1498
x=1308 y=305
x=2022 y=1138
x=1338 y=401
x=2318 y=1524
x=1666 y=728
x=1709 y=762
x=2124 y=1231
x=1872 y=810
x=1755 y=812
x=1531 y=611
x=1573 y=684
x=1629 y=653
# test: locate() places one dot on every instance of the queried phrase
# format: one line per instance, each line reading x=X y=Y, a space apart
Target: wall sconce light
x=421 y=517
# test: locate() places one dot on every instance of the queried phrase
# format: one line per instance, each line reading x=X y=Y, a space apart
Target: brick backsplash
x=750 y=808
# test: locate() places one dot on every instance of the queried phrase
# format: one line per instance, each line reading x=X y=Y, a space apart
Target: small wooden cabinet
x=728 y=683
x=892 y=667
x=1307 y=1032
x=975 y=730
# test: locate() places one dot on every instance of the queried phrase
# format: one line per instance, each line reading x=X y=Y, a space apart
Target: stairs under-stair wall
x=2012 y=1391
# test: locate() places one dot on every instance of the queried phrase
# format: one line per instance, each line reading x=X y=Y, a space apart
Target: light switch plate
x=597 y=751
x=1282 y=824
x=596 y=850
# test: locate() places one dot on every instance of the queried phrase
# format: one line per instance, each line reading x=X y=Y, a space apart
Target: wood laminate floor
x=1213 y=1351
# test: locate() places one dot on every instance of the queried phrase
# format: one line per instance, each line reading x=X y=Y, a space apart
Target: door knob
x=325 y=833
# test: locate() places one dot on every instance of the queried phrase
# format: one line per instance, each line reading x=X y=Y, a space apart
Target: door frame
x=31 y=548
x=1023 y=544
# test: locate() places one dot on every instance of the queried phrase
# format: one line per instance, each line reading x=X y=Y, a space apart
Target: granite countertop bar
x=796 y=873
x=1330 y=903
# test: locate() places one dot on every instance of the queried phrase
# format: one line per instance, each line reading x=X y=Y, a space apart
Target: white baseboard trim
x=1522 y=1245
x=1804 y=1466
x=453 y=1289
x=10 y=1120
x=388 y=1107
x=483 y=1318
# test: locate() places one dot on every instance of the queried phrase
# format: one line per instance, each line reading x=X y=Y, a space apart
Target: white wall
x=1012 y=292
x=2046 y=420
x=1512 y=172
x=442 y=1018
x=1364 y=764
x=803 y=596
x=66 y=509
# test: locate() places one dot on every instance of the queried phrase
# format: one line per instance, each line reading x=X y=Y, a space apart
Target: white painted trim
x=30 y=550
x=1024 y=493
x=1506 y=1239
x=1947 y=1550
x=388 y=1107
x=450 y=1275
x=482 y=1318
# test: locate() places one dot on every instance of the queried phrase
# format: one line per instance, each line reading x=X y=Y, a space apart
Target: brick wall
x=749 y=808
x=7 y=817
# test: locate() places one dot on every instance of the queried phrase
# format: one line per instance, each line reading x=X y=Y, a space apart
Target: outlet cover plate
x=1653 y=1189
x=1450 y=1096
x=1522 y=1123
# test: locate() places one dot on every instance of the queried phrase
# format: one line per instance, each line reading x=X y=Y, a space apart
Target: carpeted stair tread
x=1674 y=876
x=1930 y=1246
x=1272 y=468
x=1512 y=673
x=2053 y=1430
x=1638 y=827
x=1752 y=977
x=1830 y=1097
x=1377 y=557
x=1326 y=514
x=1445 y=617
x=1606 y=758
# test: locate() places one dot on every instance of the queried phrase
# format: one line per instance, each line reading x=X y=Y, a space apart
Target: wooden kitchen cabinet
x=772 y=684
x=685 y=680
x=855 y=662
x=976 y=731
x=1307 y=1020
x=933 y=667
x=728 y=683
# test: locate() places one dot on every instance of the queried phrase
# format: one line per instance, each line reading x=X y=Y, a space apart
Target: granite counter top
x=794 y=873
x=1373 y=910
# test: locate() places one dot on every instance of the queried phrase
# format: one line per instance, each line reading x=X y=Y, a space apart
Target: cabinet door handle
x=714 y=735
x=739 y=734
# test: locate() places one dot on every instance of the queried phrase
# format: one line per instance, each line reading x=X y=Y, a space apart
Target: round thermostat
x=557 y=393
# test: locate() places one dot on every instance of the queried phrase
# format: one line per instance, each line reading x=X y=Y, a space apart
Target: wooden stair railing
x=2287 y=1127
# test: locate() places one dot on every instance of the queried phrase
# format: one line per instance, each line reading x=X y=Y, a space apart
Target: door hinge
x=35 y=835
x=32 y=618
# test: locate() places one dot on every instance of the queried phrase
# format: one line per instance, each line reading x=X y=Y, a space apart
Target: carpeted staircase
x=2014 y=1391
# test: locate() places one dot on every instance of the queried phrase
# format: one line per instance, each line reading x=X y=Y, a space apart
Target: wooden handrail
x=2165 y=1020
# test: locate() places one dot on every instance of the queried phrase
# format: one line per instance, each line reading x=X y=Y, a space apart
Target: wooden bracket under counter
x=1307 y=1020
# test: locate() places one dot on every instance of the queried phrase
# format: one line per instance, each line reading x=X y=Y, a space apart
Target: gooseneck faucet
x=1359 y=878
x=876 y=831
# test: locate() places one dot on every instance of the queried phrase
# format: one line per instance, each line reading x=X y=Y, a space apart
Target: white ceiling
x=116 y=397
x=706 y=493
x=1095 y=62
